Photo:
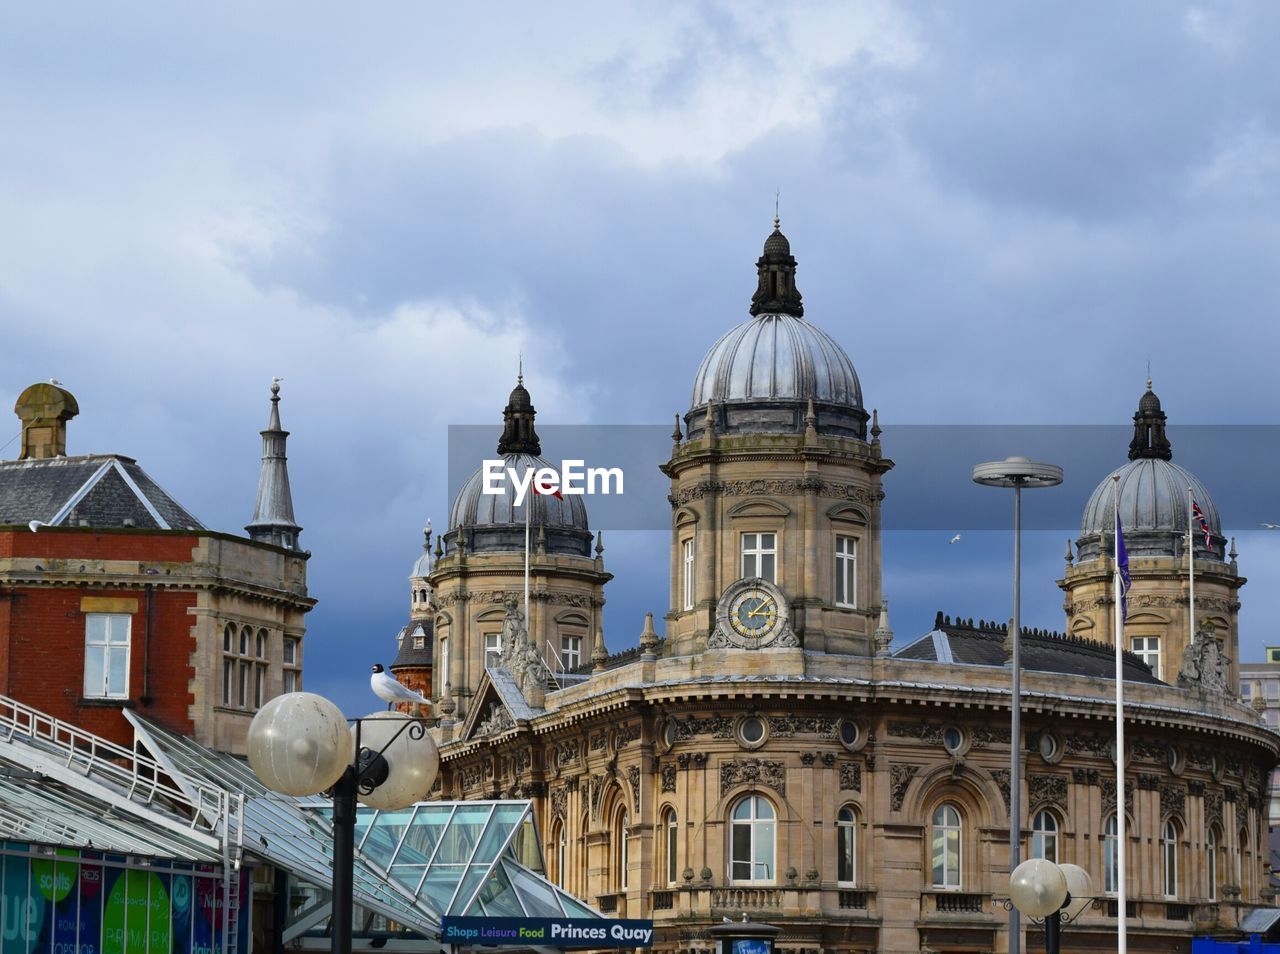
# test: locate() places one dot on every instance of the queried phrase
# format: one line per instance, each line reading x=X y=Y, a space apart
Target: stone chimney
x=44 y=410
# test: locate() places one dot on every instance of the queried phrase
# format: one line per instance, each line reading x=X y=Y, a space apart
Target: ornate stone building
x=774 y=755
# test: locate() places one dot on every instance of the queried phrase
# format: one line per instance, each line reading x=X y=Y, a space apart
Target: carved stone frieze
x=850 y=776
x=598 y=742
x=767 y=772
x=633 y=776
x=498 y=719
x=567 y=752
x=786 y=727
x=774 y=487
x=1148 y=782
x=1085 y=776
x=718 y=727
x=471 y=776
x=1002 y=782
x=1213 y=807
x=626 y=734
x=1045 y=789
x=1173 y=800
x=900 y=777
x=980 y=737
x=1146 y=751
x=1109 y=796
x=559 y=802
x=668 y=777
x=596 y=793
x=1099 y=745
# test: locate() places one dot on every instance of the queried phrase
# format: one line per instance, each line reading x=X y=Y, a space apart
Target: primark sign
x=546 y=932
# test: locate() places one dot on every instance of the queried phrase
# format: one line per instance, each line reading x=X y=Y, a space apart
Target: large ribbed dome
x=474 y=508
x=761 y=375
x=1153 y=499
x=777 y=357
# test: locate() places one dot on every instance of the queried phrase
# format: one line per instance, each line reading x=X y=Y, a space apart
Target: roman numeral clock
x=753 y=614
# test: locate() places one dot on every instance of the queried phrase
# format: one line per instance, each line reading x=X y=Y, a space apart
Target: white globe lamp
x=1037 y=887
x=413 y=761
x=299 y=744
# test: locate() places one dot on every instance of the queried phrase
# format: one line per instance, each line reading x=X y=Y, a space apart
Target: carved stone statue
x=520 y=656
x=1204 y=666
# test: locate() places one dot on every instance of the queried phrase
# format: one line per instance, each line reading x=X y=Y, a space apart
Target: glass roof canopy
x=171 y=798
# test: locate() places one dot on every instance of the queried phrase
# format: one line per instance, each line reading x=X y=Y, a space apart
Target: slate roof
x=97 y=490
x=408 y=655
x=965 y=643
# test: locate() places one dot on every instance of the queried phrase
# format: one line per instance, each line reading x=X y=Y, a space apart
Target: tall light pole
x=1016 y=472
x=300 y=744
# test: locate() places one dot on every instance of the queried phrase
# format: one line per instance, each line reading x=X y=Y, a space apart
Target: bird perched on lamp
x=390 y=690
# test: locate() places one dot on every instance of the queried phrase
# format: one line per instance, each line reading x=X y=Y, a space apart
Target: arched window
x=1169 y=857
x=947 y=846
x=1211 y=863
x=671 y=830
x=444 y=665
x=751 y=841
x=1242 y=847
x=1044 y=837
x=846 y=846
x=1110 y=855
x=620 y=840
x=560 y=844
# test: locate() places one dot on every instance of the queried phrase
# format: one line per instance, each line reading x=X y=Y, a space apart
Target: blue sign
x=752 y=945
x=546 y=932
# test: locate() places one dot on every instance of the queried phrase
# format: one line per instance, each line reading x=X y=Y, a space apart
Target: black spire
x=1148 y=429
x=777 y=293
x=518 y=435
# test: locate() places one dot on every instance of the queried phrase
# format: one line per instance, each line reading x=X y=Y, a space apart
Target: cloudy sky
x=1002 y=211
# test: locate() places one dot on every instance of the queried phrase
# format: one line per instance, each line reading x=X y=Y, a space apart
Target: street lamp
x=1042 y=890
x=1016 y=472
x=300 y=743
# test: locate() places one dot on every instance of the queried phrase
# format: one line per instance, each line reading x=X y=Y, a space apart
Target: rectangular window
x=760 y=556
x=687 y=564
x=571 y=652
x=228 y=680
x=1147 y=648
x=243 y=697
x=259 y=686
x=492 y=649
x=292 y=680
x=1273 y=654
x=106 y=655
x=290 y=651
x=846 y=572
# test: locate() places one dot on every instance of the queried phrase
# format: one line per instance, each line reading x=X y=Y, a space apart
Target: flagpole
x=1123 y=907
x=528 y=505
x=1191 y=575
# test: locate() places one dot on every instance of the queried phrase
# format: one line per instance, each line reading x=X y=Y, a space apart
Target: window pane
x=95 y=628
x=290 y=650
x=228 y=669
x=741 y=867
x=764 y=851
x=844 y=861
x=117 y=675
x=93 y=672
x=766 y=567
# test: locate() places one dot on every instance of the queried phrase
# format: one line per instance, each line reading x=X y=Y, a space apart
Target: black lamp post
x=301 y=744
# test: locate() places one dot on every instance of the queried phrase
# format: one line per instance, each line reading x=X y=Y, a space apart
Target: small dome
x=1149 y=403
x=777 y=357
x=496 y=523
x=421 y=567
x=1153 y=512
x=776 y=244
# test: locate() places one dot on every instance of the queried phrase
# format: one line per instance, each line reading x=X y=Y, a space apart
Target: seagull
x=955 y=539
x=1271 y=526
x=55 y=382
x=388 y=689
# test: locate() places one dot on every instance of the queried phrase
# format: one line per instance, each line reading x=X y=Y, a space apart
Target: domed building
x=480 y=569
x=1152 y=493
x=775 y=754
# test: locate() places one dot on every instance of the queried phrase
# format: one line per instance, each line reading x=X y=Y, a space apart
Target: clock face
x=753 y=614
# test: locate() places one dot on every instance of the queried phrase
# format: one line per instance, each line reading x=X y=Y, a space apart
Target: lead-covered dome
x=1152 y=493
x=494 y=522
x=761 y=375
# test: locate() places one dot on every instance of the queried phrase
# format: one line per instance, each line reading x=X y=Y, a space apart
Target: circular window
x=849 y=733
x=669 y=734
x=1215 y=766
x=952 y=739
x=753 y=732
x=1050 y=748
x=1175 y=760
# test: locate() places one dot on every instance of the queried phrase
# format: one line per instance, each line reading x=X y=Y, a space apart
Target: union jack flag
x=1204 y=524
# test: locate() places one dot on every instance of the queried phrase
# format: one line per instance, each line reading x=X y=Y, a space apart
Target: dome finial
x=1149 y=440
x=518 y=434
x=520 y=369
x=776 y=292
x=777 y=220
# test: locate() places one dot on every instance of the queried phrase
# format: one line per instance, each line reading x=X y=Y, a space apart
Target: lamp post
x=1043 y=890
x=300 y=743
x=1018 y=473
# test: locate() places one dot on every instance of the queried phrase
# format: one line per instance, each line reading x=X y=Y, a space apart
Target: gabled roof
x=499 y=703
x=965 y=643
x=98 y=490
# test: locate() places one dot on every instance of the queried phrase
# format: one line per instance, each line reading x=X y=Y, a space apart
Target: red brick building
x=114 y=596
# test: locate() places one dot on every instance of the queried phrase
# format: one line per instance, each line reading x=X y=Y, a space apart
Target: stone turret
x=273 y=520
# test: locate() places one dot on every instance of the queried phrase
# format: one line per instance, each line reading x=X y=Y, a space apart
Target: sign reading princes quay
x=546 y=932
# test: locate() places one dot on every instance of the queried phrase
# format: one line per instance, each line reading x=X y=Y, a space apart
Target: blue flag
x=1122 y=562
